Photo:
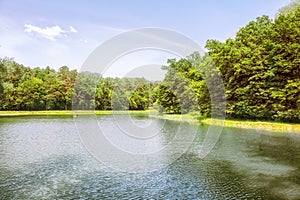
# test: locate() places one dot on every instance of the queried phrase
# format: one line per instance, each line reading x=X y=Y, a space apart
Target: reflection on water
x=43 y=158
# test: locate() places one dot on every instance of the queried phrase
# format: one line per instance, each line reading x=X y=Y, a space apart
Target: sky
x=40 y=33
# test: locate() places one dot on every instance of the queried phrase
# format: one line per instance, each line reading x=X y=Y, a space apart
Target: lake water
x=44 y=158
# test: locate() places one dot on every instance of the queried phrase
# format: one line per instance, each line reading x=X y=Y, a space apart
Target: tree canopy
x=260 y=69
x=23 y=88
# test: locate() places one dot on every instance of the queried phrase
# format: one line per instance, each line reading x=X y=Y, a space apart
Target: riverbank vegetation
x=193 y=118
x=70 y=112
x=260 y=69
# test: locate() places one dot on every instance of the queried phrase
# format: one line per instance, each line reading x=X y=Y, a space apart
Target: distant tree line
x=260 y=69
x=23 y=88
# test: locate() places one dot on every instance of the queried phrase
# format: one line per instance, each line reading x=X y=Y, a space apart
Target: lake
x=44 y=158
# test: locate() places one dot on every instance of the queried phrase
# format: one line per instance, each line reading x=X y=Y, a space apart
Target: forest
x=260 y=69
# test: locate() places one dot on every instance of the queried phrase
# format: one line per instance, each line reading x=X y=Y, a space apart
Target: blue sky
x=41 y=33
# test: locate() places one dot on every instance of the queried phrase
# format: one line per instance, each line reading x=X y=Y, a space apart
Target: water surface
x=43 y=158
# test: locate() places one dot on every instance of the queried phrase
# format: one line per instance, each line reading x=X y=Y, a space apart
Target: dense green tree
x=176 y=94
x=2 y=80
x=291 y=7
x=84 y=95
x=259 y=68
x=166 y=101
x=130 y=93
x=11 y=74
x=66 y=79
x=139 y=97
x=103 y=94
x=52 y=87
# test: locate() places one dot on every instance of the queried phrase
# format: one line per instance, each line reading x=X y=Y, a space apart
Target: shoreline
x=276 y=127
x=67 y=112
x=243 y=124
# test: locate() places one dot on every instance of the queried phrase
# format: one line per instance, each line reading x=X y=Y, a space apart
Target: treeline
x=260 y=69
x=23 y=88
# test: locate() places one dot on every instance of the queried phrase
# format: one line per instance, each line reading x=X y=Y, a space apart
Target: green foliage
x=22 y=88
x=291 y=7
x=260 y=69
x=179 y=92
x=131 y=94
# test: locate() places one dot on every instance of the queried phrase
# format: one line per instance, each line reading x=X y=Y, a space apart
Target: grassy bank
x=191 y=118
x=33 y=113
x=66 y=112
x=259 y=125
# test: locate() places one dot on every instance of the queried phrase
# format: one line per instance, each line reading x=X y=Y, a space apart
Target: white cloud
x=72 y=29
x=28 y=46
x=50 y=33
